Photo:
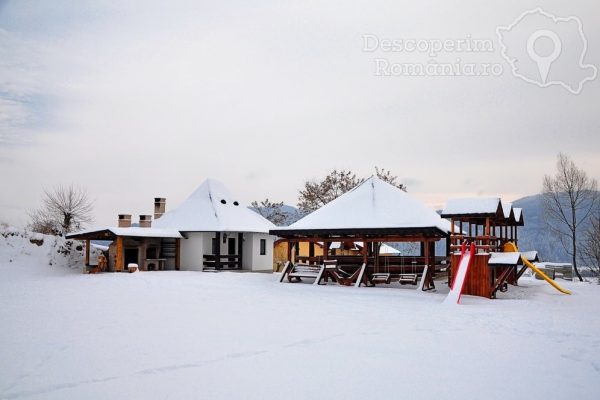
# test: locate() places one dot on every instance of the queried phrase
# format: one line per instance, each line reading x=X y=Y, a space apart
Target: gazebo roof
x=212 y=208
x=372 y=208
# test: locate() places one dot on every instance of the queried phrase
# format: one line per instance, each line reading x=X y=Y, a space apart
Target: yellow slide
x=511 y=247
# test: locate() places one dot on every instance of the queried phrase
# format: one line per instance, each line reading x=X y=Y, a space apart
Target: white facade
x=198 y=244
x=192 y=251
x=254 y=259
x=211 y=208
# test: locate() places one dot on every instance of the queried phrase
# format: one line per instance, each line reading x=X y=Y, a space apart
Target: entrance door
x=231 y=246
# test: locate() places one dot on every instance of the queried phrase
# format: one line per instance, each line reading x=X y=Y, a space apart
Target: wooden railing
x=228 y=261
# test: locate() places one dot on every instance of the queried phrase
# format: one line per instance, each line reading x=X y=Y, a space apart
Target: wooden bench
x=300 y=271
x=380 y=277
x=408 y=279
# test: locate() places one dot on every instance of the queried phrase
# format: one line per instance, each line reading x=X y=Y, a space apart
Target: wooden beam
x=241 y=249
x=177 y=254
x=87 y=252
x=120 y=260
x=365 y=253
x=218 y=251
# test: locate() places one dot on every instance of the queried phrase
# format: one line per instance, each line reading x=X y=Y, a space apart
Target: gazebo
x=373 y=213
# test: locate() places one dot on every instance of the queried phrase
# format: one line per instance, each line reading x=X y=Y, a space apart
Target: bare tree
x=316 y=194
x=64 y=208
x=386 y=175
x=569 y=199
x=590 y=247
x=271 y=211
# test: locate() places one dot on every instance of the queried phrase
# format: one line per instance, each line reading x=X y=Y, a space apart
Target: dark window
x=231 y=246
x=263 y=247
x=215 y=246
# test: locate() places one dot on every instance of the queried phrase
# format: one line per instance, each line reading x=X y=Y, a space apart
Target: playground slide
x=510 y=246
x=459 y=280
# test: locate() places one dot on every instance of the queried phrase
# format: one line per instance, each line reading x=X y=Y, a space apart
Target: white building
x=219 y=231
x=211 y=229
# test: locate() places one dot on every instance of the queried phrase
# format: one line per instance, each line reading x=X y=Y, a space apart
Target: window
x=263 y=247
x=215 y=246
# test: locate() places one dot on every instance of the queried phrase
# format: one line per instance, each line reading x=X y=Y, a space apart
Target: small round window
x=235 y=203
x=223 y=201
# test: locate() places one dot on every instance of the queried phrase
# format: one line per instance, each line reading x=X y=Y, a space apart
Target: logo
x=547 y=50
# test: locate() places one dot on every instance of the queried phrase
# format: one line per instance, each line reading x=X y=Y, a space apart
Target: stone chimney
x=124 y=220
x=145 y=221
x=160 y=205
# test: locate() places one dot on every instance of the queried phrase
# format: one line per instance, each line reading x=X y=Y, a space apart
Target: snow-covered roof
x=131 y=232
x=506 y=208
x=474 y=205
x=212 y=208
x=371 y=205
x=518 y=214
x=530 y=255
x=387 y=249
x=506 y=258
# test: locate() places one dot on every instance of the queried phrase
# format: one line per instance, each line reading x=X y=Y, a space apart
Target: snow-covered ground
x=193 y=335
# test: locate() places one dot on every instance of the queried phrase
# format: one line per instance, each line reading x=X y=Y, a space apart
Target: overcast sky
x=140 y=99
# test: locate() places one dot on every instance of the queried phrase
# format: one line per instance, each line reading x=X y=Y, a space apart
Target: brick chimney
x=160 y=205
x=145 y=221
x=124 y=220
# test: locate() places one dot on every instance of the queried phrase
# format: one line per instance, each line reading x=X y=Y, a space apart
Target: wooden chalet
x=372 y=213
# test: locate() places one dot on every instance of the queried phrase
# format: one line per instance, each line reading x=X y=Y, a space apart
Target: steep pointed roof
x=374 y=206
x=212 y=208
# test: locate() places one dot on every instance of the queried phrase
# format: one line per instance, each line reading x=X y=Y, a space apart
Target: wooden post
x=311 y=249
x=425 y=278
x=119 y=262
x=325 y=249
x=218 y=251
x=365 y=253
x=240 y=250
x=177 y=254
x=289 y=250
x=87 y=252
x=452 y=226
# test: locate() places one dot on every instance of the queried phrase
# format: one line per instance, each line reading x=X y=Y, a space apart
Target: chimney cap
x=124 y=216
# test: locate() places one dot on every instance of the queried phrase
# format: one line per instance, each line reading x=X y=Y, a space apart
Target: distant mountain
x=293 y=214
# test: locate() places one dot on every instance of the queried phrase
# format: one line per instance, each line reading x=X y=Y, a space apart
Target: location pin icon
x=544 y=62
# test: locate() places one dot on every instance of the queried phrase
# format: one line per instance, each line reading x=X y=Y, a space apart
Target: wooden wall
x=479 y=279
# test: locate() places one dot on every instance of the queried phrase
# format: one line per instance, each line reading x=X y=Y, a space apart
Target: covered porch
x=374 y=213
x=150 y=249
x=378 y=268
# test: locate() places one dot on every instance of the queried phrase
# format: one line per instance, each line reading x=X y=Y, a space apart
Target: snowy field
x=193 y=335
